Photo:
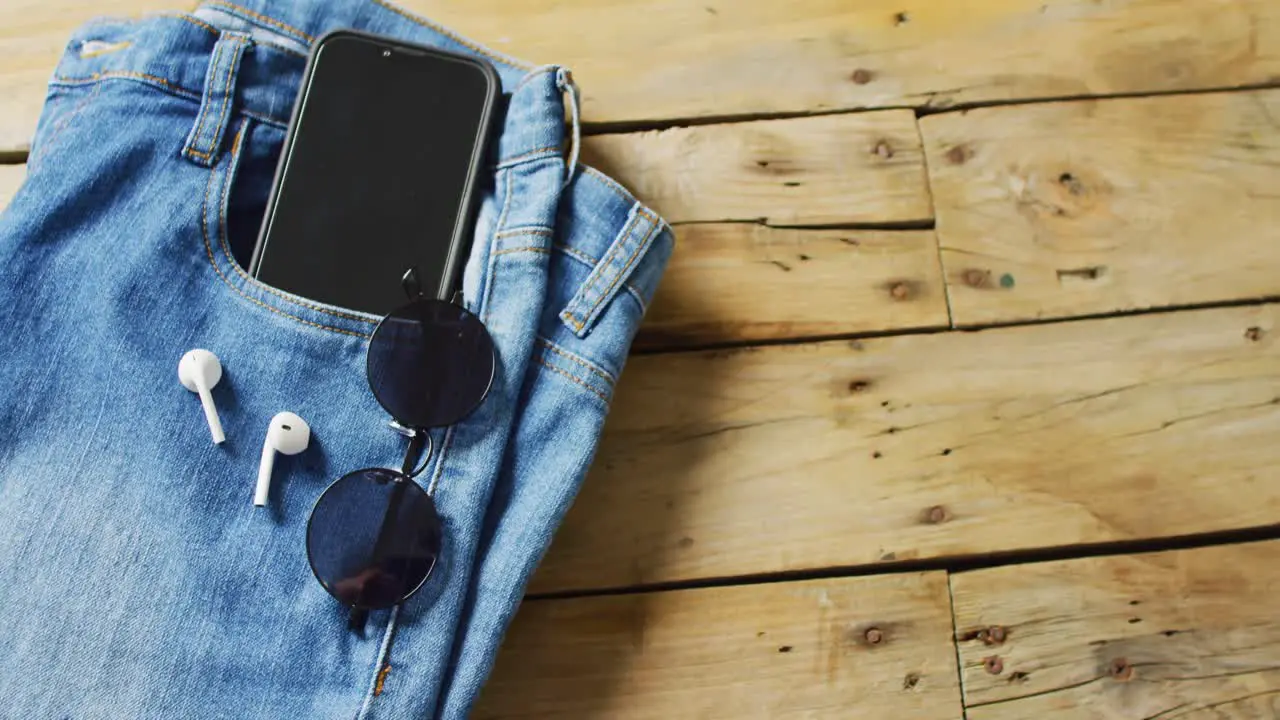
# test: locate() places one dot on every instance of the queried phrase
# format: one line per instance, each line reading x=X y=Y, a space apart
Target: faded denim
x=136 y=578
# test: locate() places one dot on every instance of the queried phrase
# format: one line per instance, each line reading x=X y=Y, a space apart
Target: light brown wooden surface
x=935 y=445
x=788 y=650
x=670 y=59
x=1073 y=208
x=10 y=178
x=826 y=170
x=762 y=460
x=1187 y=634
x=647 y=59
x=33 y=34
x=736 y=282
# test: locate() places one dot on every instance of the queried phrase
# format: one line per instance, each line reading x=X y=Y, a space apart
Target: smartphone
x=378 y=173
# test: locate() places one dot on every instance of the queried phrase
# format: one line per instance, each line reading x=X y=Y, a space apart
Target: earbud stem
x=263 y=488
x=211 y=414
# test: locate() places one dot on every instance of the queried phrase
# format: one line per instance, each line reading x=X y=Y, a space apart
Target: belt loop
x=564 y=81
x=215 y=107
x=612 y=272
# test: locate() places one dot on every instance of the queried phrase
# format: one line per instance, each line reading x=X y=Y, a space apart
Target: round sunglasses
x=374 y=535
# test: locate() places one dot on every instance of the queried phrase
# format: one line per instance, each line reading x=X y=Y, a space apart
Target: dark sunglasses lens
x=430 y=363
x=373 y=538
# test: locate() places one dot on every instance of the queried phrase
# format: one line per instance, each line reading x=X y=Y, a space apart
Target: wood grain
x=1095 y=206
x=639 y=60
x=10 y=178
x=826 y=170
x=1187 y=634
x=737 y=282
x=663 y=59
x=33 y=34
x=790 y=650
x=849 y=453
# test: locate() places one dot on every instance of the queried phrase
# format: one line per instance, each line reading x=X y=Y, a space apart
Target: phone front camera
x=386 y=53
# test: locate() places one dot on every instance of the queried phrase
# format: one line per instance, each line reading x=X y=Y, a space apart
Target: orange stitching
x=194 y=21
x=635 y=256
x=622 y=274
x=198 y=131
x=594 y=278
x=542 y=232
x=208 y=247
x=382 y=678
x=606 y=262
x=62 y=124
x=507 y=60
x=572 y=378
x=227 y=92
x=508 y=251
x=264 y=18
x=239 y=139
x=226 y=249
x=591 y=263
x=201 y=24
x=577 y=255
x=574 y=358
x=604 y=266
x=508 y=162
x=125 y=74
x=191 y=94
x=581 y=257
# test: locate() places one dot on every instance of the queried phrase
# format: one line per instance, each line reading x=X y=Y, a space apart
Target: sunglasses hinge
x=418 y=441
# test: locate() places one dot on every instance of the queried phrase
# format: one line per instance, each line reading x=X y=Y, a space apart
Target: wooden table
x=962 y=393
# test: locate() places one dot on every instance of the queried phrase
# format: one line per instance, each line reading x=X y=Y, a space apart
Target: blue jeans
x=136 y=577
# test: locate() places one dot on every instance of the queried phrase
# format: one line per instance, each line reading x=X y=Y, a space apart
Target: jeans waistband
x=173 y=51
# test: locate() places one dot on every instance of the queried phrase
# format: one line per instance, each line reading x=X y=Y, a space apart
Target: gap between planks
x=951 y=564
x=867 y=441
x=1165 y=634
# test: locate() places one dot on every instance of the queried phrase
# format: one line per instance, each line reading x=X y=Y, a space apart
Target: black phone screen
x=376 y=175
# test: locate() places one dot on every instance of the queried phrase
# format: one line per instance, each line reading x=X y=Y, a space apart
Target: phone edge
x=461 y=243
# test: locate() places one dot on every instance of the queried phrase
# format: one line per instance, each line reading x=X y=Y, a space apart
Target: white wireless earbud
x=199 y=370
x=287 y=434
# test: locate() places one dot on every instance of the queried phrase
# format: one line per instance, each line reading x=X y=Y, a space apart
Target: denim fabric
x=136 y=577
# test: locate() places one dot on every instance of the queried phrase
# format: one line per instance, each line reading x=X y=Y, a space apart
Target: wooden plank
x=10 y=178
x=1187 y=634
x=662 y=59
x=791 y=650
x=1095 y=206
x=640 y=60
x=33 y=34
x=864 y=168
x=737 y=282
x=763 y=460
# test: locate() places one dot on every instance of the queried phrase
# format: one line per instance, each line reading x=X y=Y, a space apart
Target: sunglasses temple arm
x=417 y=443
x=355 y=623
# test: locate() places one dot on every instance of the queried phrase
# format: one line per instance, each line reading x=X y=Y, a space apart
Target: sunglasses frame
x=415 y=460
